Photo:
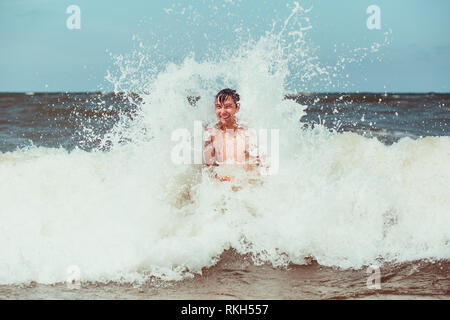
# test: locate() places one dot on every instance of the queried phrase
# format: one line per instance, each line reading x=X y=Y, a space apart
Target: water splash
x=125 y=212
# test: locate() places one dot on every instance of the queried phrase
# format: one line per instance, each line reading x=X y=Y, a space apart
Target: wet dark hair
x=225 y=93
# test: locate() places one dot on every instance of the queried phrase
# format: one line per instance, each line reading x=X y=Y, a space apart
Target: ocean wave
x=130 y=213
x=343 y=199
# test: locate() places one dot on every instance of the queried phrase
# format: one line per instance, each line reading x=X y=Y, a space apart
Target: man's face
x=225 y=112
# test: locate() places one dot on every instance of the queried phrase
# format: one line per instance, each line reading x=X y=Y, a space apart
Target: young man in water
x=228 y=143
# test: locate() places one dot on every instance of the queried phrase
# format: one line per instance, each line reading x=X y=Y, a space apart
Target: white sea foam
x=130 y=213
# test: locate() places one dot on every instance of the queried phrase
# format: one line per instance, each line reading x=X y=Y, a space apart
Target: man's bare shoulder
x=212 y=128
x=243 y=129
x=210 y=131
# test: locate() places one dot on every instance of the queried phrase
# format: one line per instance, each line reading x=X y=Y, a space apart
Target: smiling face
x=226 y=111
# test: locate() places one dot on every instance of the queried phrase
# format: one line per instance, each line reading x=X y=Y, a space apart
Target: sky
x=40 y=53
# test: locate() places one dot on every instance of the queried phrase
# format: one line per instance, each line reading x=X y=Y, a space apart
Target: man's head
x=227 y=105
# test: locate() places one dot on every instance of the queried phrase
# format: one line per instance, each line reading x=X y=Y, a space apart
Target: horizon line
x=287 y=94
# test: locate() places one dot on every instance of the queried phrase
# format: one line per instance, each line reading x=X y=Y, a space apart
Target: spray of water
x=127 y=212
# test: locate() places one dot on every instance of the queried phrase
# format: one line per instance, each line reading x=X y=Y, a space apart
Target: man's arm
x=209 y=153
x=252 y=158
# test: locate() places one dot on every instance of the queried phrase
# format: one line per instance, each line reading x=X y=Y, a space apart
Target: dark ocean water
x=62 y=119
